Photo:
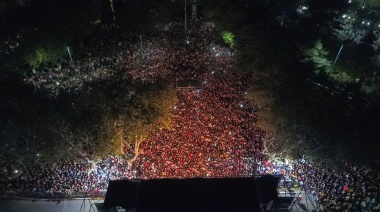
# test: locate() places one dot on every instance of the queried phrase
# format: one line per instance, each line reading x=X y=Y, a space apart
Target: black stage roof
x=198 y=194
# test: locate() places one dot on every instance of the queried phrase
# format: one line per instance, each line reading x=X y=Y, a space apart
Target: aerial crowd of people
x=352 y=188
x=214 y=134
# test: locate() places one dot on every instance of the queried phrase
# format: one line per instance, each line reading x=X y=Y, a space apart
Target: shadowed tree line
x=103 y=119
x=303 y=106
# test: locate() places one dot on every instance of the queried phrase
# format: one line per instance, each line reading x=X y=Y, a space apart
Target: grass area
x=342 y=73
x=371 y=88
x=345 y=74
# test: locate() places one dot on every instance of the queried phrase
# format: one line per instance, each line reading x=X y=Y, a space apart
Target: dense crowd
x=214 y=134
x=353 y=188
x=71 y=177
x=101 y=58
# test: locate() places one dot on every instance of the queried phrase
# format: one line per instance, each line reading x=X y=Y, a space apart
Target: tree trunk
x=136 y=153
x=267 y=144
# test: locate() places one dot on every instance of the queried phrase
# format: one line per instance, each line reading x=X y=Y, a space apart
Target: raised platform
x=198 y=194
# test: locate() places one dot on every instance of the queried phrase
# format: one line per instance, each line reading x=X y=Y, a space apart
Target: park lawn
x=372 y=87
x=344 y=73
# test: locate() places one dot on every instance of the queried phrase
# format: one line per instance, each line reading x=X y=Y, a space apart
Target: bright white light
x=344 y=16
x=241 y=105
x=213 y=48
x=349 y=17
x=38 y=155
x=349 y=1
x=230 y=133
x=362 y=22
x=16 y=171
x=175 y=107
x=213 y=72
x=368 y=23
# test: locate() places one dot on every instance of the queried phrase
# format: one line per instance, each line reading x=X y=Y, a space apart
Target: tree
x=364 y=53
x=227 y=14
x=141 y=16
x=47 y=53
x=318 y=55
x=324 y=14
x=228 y=38
x=253 y=51
x=373 y=4
x=369 y=38
x=152 y=113
x=49 y=27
